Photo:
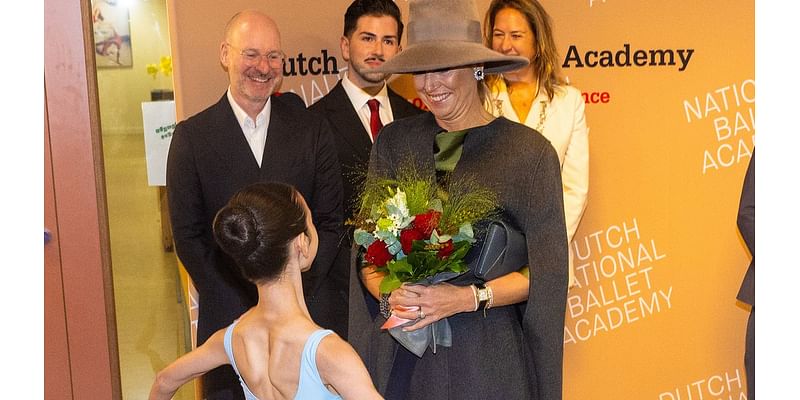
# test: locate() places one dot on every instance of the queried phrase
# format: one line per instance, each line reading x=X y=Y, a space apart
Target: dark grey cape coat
x=515 y=352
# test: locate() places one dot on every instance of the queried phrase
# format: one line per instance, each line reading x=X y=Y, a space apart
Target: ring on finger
x=420 y=313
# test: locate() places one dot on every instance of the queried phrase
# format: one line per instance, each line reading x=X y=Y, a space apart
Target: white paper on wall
x=159 y=122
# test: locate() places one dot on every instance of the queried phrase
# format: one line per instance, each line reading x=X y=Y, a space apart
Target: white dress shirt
x=359 y=98
x=254 y=131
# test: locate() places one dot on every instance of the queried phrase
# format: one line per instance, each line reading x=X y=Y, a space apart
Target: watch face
x=483 y=295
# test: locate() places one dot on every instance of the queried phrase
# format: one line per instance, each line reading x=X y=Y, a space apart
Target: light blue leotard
x=310 y=386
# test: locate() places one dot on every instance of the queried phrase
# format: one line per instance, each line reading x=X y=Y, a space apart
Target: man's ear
x=399 y=47
x=344 y=44
x=224 y=55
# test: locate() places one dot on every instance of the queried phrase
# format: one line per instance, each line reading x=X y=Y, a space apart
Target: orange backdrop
x=670 y=94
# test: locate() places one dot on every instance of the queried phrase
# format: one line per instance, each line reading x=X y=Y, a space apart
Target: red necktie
x=375 y=123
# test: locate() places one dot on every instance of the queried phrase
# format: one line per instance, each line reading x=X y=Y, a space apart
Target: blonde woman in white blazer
x=538 y=96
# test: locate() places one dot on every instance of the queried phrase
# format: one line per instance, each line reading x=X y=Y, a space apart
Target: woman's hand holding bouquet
x=415 y=235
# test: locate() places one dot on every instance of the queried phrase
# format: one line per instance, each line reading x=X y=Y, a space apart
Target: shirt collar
x=241 y=114
x=359 y=97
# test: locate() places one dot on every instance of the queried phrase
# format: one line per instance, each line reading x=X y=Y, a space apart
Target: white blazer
x=565 y=127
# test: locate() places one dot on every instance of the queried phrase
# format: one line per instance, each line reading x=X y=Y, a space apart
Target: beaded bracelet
x=386 y=309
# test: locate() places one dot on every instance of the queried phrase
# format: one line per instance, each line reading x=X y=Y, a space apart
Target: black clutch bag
x=502 y=251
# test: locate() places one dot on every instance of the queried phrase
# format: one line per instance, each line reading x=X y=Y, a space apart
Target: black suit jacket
x=209 y=160
x=746 y=221
x=352 y=140
x=353 y=144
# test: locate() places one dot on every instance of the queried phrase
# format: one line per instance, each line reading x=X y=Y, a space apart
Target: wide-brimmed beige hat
x=446 y=34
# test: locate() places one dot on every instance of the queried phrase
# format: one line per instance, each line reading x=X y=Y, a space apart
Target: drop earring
x=478 y=72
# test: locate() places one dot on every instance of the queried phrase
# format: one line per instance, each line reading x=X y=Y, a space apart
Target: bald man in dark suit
x=250 y=135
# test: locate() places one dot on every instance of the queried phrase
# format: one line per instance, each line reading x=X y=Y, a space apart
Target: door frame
x=80 y=322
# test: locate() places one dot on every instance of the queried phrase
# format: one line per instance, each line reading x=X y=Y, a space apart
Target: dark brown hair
x=375 y=8
x=256 y=227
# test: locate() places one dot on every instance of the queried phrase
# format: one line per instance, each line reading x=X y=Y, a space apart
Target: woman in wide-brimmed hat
x=509 y=345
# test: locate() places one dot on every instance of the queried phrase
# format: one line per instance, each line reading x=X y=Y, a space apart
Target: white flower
x=397 y=210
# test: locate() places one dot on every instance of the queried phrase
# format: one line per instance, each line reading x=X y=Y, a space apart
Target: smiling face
x=512 y=35
x=373 y=42
x=252 y=82
x=452 y=96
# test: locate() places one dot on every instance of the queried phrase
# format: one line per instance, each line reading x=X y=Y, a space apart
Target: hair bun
x=236 y=231
x=256 y=228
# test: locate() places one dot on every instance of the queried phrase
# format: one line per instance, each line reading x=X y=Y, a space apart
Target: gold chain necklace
x=542 y=116
x=498 y=106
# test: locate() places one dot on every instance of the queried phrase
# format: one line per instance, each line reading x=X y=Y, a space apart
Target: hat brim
x=444 y=54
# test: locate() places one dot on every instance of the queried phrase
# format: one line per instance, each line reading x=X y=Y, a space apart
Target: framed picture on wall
x=112 y=34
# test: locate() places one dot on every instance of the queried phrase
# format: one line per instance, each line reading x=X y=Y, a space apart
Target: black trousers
x=222 y=384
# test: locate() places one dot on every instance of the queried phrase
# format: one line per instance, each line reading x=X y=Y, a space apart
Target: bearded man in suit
x=356 y=108
x=250 y=135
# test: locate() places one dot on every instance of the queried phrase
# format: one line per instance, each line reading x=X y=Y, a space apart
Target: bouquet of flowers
x=415 y=231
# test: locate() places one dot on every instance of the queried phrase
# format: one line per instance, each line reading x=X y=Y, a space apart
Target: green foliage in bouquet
x=411 y=228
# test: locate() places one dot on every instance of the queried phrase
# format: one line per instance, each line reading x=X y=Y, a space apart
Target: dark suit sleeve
x=747 y=207
x=186 y=208
x=292 y=99
x=326 y=206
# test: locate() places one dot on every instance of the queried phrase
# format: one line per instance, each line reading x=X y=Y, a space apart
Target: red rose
x=445 y=251
x=425 y=223
x=407 y=238
x=378 y=254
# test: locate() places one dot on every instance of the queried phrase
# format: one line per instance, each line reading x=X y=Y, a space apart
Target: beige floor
x=151 y=317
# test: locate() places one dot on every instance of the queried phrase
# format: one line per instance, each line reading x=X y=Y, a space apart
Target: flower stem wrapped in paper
x=415 y=231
